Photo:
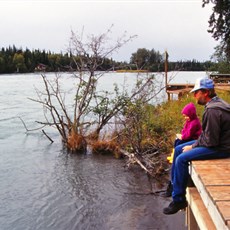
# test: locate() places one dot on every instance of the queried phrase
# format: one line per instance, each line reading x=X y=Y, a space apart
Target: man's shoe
x=174 y=207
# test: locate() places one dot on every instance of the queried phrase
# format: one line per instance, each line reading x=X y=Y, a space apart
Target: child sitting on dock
x=192 y=127
x=191 y=131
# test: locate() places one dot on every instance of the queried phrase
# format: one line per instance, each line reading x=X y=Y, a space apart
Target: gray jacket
x=215 y=126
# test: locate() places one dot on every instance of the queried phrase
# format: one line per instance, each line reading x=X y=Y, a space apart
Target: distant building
x=40 y=67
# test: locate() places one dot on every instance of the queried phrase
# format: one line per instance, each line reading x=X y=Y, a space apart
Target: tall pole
x=166 y=70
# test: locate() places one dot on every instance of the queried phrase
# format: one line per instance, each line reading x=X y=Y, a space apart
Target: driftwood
x=153 y=163
x=132 y=159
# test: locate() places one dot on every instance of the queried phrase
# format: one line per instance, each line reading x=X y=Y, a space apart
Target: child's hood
x=190 y=111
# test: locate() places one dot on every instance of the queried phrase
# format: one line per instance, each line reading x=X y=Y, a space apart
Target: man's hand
x=187 y=148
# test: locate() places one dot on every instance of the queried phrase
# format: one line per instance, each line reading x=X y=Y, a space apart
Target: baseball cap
x=203 y=83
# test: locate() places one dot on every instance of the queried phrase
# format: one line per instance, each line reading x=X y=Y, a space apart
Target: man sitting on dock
x=213 y=143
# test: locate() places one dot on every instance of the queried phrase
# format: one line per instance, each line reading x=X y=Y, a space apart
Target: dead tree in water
x=88 y=56
x=92 y=110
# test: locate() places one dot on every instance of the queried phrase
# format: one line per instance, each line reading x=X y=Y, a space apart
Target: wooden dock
x=220 y=78
x=181 y=89
x=209 y=201
x=178 y=89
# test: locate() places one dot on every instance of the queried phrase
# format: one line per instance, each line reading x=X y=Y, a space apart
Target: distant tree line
x=154 y=61
x=14 y=60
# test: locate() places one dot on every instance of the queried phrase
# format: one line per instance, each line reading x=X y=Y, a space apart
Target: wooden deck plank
x=223 y=181
x=216 y=173
x=209 y=172
x=215 y=167
x=219 y=193
x=224 y=209
x=212 y=162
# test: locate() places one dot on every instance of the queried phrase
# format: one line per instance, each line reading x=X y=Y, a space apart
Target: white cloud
x=178 y=26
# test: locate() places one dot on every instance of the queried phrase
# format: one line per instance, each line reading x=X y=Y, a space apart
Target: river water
x=44 y=188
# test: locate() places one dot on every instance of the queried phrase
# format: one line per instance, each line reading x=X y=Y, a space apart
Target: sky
x=176 y=26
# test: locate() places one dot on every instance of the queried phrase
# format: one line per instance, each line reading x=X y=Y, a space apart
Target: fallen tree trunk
x=132 y=159
x=154 y=163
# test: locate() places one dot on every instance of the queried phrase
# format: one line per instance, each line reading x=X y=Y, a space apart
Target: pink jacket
x=192 y=129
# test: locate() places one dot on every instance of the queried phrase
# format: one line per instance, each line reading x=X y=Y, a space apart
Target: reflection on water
x=42 y=187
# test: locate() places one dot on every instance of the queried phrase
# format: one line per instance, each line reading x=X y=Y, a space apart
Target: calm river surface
x=44 y=188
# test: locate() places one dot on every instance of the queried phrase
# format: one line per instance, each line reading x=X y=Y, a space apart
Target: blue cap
x=203 y=83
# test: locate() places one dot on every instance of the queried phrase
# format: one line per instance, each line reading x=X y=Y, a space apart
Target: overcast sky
x=180 y=27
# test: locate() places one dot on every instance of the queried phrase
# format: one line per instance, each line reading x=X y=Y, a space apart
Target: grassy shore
x=132 y=71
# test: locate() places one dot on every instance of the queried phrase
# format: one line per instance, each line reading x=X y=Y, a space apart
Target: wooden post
x=166 y=70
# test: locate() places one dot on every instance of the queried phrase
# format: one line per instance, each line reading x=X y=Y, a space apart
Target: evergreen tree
x=219 y=23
